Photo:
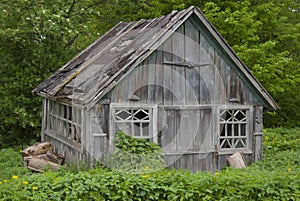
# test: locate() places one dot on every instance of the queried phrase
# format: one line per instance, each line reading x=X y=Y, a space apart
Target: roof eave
x=162 y=36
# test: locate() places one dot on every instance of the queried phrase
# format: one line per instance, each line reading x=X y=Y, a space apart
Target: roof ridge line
x=182 y=14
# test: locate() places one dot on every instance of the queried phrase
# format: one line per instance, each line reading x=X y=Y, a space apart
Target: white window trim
x=152 y=121
x=249 y=128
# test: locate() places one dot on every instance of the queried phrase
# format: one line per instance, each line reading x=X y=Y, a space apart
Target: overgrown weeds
x=277 y=177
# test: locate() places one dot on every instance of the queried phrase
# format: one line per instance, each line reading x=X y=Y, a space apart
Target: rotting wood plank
x=191 y=42
x=193 y=86
x=169 y=138
x=188 y=126
x=199 y=130
x=134 y=81
x=211 y=73
x=233 y=86
x=218 y=79
x=206 y=81
x=179 y=72
x=209 y=130
x=143 y=90
x=159 y=73
x=194 y=127
x=168 y=73
x=258 y=133
x=228 y=78
x=178 y=56
x=185 y=133
x=192 y=55
x=151 y=87
x=222 y=82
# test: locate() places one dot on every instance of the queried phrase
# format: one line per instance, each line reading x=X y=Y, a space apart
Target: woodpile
x=40 y=157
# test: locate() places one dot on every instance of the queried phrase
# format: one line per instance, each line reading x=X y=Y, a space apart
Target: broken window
x=64 y=120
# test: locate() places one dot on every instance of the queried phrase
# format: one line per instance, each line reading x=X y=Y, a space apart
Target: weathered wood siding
x=186 y=135
x=186 y=70
x=74 y=152
x=258 y=134
x=98 y=132
x=188 y=78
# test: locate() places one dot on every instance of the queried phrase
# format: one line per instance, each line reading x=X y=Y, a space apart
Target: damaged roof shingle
x=105 y=58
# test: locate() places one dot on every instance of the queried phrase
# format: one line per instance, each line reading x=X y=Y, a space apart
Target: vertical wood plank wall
x=258 y=133
x=187 y=135
x=187 y=77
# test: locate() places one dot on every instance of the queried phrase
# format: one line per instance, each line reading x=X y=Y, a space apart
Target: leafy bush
x=135 y=155
x=281 y=139
x=281 y=149
x=100 y=184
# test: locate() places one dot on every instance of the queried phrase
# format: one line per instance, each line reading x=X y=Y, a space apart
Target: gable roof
x=97 y=69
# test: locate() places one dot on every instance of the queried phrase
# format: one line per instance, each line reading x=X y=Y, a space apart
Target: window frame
x=64 y=122
x=132 y=122
x=248 y=129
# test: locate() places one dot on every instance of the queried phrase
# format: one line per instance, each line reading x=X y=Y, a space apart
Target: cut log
x=40 y=165
x=37 y=149
x=49 y=156
x=55 y=158
x=40 y=157
x=236 y=160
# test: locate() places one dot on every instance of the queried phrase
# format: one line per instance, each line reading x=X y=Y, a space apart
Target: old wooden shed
x=173 y=80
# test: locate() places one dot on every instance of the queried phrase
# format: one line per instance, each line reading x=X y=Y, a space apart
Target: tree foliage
x=266 y=35
x=37 y=37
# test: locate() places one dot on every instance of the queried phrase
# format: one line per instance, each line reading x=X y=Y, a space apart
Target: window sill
x=229 y=152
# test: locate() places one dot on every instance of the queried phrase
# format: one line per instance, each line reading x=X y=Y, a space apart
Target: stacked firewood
x=40 y=157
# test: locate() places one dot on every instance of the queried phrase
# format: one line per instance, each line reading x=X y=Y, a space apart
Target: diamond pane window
x=123 y=115
x=135 y=122
x=233 y=129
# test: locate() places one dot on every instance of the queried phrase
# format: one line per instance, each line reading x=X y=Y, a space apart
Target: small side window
x=137 y=122
x=234 y=126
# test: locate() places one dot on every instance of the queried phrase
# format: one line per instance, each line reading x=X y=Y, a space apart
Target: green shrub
x=103 y=184
x=281 y=139
x=135 y=155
